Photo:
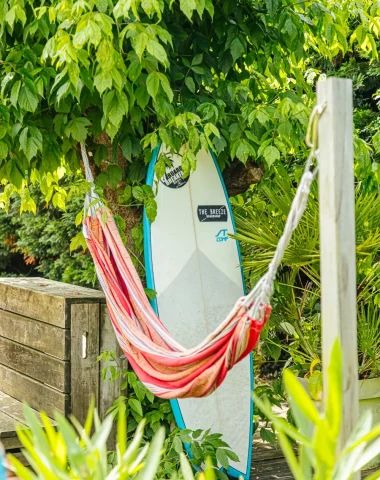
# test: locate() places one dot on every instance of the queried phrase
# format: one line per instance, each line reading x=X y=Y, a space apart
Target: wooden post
x=337 y=233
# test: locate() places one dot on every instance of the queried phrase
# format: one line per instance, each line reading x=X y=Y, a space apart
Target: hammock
x=165 y=367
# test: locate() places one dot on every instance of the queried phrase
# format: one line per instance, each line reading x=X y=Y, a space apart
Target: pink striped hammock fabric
x=165 y=367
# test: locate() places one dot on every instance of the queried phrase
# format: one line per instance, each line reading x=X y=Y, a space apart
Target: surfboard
x=194 y=267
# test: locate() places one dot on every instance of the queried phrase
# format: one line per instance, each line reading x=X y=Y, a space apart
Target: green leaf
x=290 y=28
x=274 y=349
x=237 y=48
x=272 y=6
x=78 y=242
x=335 y=389
x=288 y=328
x=314 y=384
x=51 y=154
x=115 y=106
x=271 y=154
x=141 y=42
x=330 y=33
x=31 y=144
x=154 y=455
x=196 y=450
x=127 y=149
x=177 y=444
x=138 y=193
x=74 y=71
x=16 y=12
x=151 y=209
x=220 y=144
x=4 y=127
x=135 y=67
x=197 y=59
x=142 y=96
x=100 y=154
x=232 y=455
x=222 y=458
x=135 y=406
x=28 y=100
x=77 y=128
x=198 y=70
x=299 y=398
x=101 y=5
x=190 y=84
x=150 y=7
x=3 y=150
x=166 y=86
x=151 y=294
x=267 y=435
x=101 y=180
x=188 y=7
x=376 y=142
x=185 y=467
x=244 y=150
x=79 y=218
x=115 y=175
x=152 y=84
x=194 y=138
x=15 y=92
x=102 y=81
x=211 y=128
x=290 y=456
x=158 y=51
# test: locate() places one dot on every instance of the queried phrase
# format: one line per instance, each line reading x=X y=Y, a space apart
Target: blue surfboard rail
x=150 y=284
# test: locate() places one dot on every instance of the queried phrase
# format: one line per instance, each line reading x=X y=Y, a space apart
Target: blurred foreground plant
x=317 y=433
x=70 y=451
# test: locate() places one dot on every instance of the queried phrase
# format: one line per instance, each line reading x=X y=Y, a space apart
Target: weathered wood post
x=337 y=233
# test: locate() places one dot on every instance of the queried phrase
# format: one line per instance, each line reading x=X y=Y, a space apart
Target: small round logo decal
x=173 y=177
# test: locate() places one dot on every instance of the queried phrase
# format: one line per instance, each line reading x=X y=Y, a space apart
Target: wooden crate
x=51 y=334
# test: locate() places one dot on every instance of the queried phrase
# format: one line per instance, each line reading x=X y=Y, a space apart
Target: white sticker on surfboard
x=193 y=265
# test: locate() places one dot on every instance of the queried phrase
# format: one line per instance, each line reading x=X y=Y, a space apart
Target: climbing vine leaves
x=123 y=75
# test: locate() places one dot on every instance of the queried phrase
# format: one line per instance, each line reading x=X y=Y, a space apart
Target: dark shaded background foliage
x=39 y=244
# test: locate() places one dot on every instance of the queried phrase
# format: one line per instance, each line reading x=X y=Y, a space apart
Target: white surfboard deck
x=193 y=265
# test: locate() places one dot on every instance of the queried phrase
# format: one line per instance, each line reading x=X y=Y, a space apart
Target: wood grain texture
x=14 y=408
x=109 y=391
x=38 y=335
x=11 y=443
x=32 y=392
x=85 y=321
x=48 y=309
x=44 y=300
x=7 y=426
x=43 y=286
x=20 y=457
x=337 y=233
x=39 y=366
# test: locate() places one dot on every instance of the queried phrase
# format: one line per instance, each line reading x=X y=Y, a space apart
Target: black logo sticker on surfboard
x=212 y=213
x=173 y=178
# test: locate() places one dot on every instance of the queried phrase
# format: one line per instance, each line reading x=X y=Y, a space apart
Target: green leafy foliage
x=38 y=242
x=137 y=71
x=69 y=450
x=295 y=321
x=139 y=403
x=317 y=434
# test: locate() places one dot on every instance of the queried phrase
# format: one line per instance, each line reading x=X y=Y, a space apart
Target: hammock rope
x=167 y=368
